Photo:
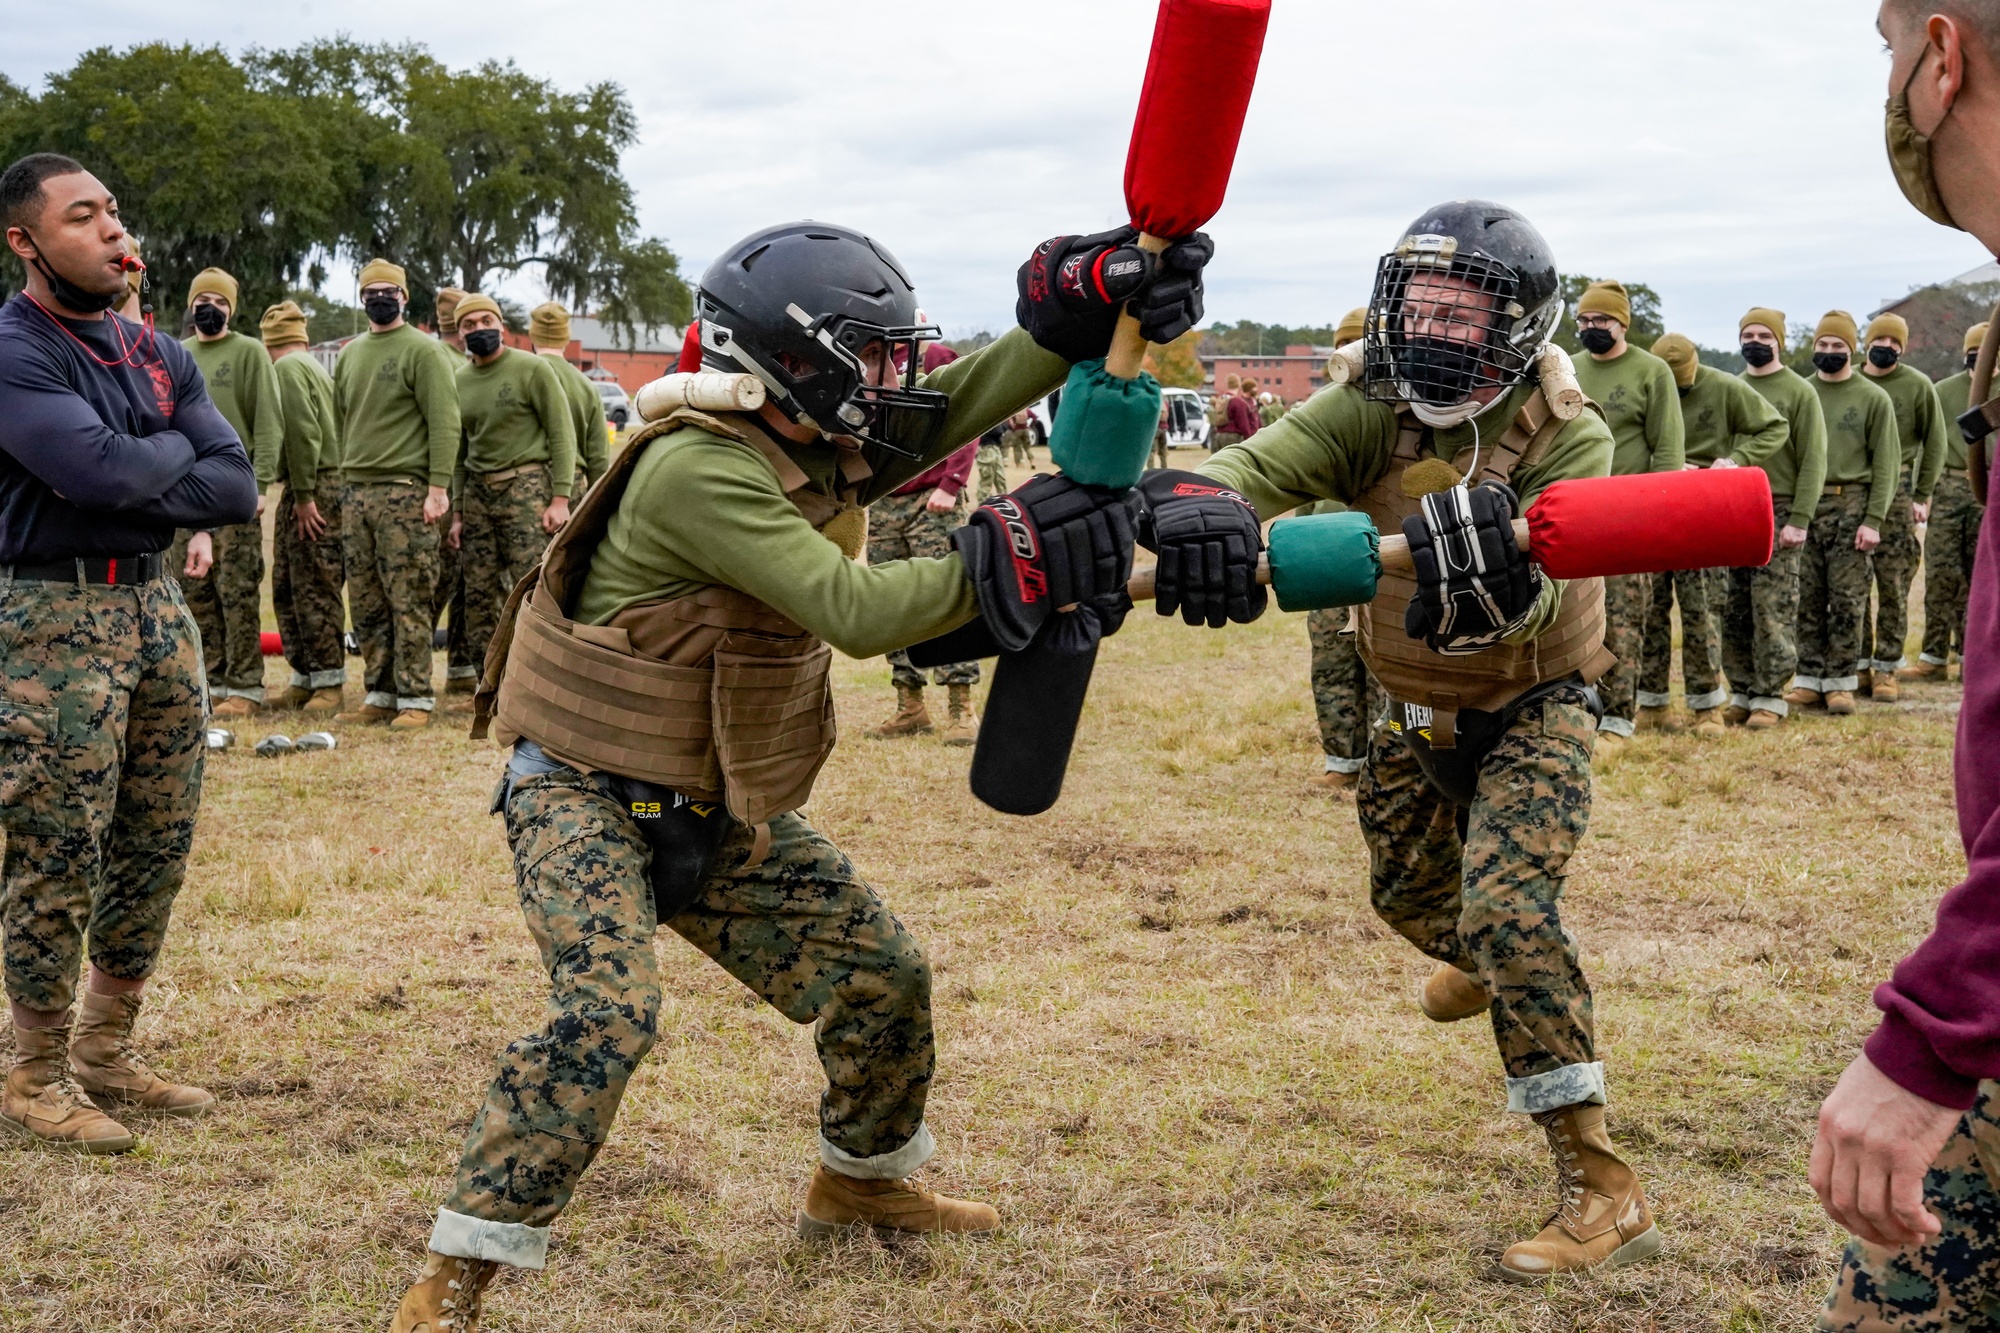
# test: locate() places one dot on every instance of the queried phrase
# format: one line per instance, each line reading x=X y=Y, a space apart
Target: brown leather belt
x=505 y=474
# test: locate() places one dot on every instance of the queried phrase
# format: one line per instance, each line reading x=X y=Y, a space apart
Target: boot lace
x=459 y=1311
x=1569 y=1176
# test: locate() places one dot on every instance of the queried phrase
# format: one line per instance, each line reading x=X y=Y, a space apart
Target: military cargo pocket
x=1569 y=722
x=34 y=795
x=773 y=718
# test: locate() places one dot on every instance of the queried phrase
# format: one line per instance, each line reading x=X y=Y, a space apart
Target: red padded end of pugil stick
x=1653 y=522
x=690 y=348
x=1197 y=91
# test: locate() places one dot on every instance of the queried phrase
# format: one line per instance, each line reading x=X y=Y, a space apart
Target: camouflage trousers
x=502 y=541
x=1158 y=458
x=392 y=567
x=1952 y=1283
x=1949 y=548
x=1833 y=594
x=306 y=582
x=101 y=748
x=1894 y=566
x=1345 y=697
x=1021 y=445
x=1481 y=887
x=1701 y=642
x=1760 y=615
x=800 y=928
x=1627 y=598
x=227 y=605
x=448 y=595
x=902 y=527
x=992 y=471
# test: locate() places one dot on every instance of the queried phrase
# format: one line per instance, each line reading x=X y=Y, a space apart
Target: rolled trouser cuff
x=513 y=1243
x=299 y=681
x=1557 y=1088
x=379 y=699
x=1879 y=665
x=1701 y=703
x=1778 y=706
x=421 y=705
x=1811 y=683
x=1929 y=659
x=327 y=680
x=882 y=1166
x=1742 y=701
x=1617 y=726
x=1828 y=684
x=461 y=673
x=1653 y=698
x=215 y=691
x=1335 y=764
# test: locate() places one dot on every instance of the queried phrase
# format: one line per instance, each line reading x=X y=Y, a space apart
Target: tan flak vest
x=1406 y=667
x=715 y=695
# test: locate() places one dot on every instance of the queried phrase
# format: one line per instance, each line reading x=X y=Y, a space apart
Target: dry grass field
x=1176 y=1049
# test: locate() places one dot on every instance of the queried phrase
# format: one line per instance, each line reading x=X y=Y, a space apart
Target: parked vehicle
x=617 y=407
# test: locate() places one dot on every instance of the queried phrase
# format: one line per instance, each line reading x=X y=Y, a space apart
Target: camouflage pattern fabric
x=992 y=471
x=306 y=581
x=1158 y=457
x=392 y=562
x=1627 y=598
x=1020 y=444
x=800 y=929
x=448 y=596
x=227 y=605
x=1760 y=613
x=502 y=541
x=102 y=710
x=1833 y=594
x=1894 y=567
x=1952 y=1283
x=1345 y=697
x=1488 y=901
x=1949 y=548
x=902 y=527
x=1701 y=642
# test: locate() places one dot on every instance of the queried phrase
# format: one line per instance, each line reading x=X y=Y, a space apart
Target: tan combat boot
x=446 y=1298
x=1608 y=745
x=1708 y=723
x=323 y=701
x=235 y=707
x=41 y=1102
x=1763 y=720
x=1921 y=670
x=836 y=1204
x=961 y=725
x=467 y=685
x=1651 y=719
x=1602 y=1219
x=411 y=719
x=295 y=697
x=1450 y=994
x=1887 y=691
x=1801 y=697
x=1867 y=681
x=1839 y=702
x=1332 y=781
x=1735 y=715
x=102 y=1058
x=366 y=713
x=911 y=719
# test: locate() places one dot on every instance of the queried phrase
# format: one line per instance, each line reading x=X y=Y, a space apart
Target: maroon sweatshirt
x=1240 y=416
x=1940 y=1031
x=948 y=476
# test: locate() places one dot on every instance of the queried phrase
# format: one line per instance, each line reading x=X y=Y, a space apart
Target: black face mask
x=483 y=342
x=1439 y=371
x=1882 y=358
x=70 y=296
x=1759 y=354
x=210 y=319
x=383 y=308
x=1832 y=363
x=1599 y=341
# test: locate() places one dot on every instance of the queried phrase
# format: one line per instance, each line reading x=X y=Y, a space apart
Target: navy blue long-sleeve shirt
x=107 y=460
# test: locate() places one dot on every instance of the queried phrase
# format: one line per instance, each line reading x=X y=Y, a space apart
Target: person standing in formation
x=517 y=470
x=1642 y=405
x=397 y=404
x=1727 y=424
x=1953 y=538
x=307 y=566
x=1219 y=434
x=1862 y=454
x=1019 y=441
x=1920 y=431
x=228 y=603
x=991 y=461
x=548 y=330
x=1760 y=645
x=461 y=672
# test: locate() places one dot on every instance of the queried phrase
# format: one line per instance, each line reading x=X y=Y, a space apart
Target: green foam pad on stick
x=1104 y=426
x=1323 y=560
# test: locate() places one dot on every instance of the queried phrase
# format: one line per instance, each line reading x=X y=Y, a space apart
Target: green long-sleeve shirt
x=1338 y=443
x=1726 y=418
x=1642 y=404
x=312 y=438
x=1920 y=426
x=586 y=406
x=512 y=413
x=237 y=370
x=702 y=510
x=397 y=405
x=1797 y=472
x=1861 y=444
x=1954 y=396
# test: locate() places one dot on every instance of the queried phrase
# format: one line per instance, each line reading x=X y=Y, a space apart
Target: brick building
x=1294 y=376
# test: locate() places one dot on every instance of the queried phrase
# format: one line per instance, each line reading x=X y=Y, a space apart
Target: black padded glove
x=1051 y=543
x=1474 y=585
x=1073 y=287
x=1208 y=541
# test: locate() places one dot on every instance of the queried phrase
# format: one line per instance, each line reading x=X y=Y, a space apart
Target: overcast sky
x=1728 y=152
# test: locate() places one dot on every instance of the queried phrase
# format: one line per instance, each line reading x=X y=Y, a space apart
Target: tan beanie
x=1353 y=325
x=134 y=281
x=377 y=271
x=548 y=325
x=447 y=308
x=1774 y=320
x=1838 y=324
x=473 y=304
x=215 y=282
x=1973 y=337
x=1606 y=298
x=1677 y=350
x=1889 y=326
x=283 y=323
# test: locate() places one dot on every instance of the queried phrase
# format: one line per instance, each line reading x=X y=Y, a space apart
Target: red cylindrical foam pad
x=271 y=643
x=690 y=348
x=1652 y=522
x=1198 y=83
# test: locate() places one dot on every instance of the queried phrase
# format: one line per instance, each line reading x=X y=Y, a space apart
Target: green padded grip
x=1104 y=426
x=1323 y=560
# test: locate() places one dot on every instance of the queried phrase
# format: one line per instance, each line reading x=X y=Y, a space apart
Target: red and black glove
x=1051 y=543
x=1208 y=540
x=1474 y=585
x=1073 y=287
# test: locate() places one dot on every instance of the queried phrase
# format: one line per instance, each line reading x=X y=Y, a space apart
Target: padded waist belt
x=112 y=570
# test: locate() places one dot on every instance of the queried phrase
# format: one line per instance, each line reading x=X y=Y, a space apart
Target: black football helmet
x=797 y=306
